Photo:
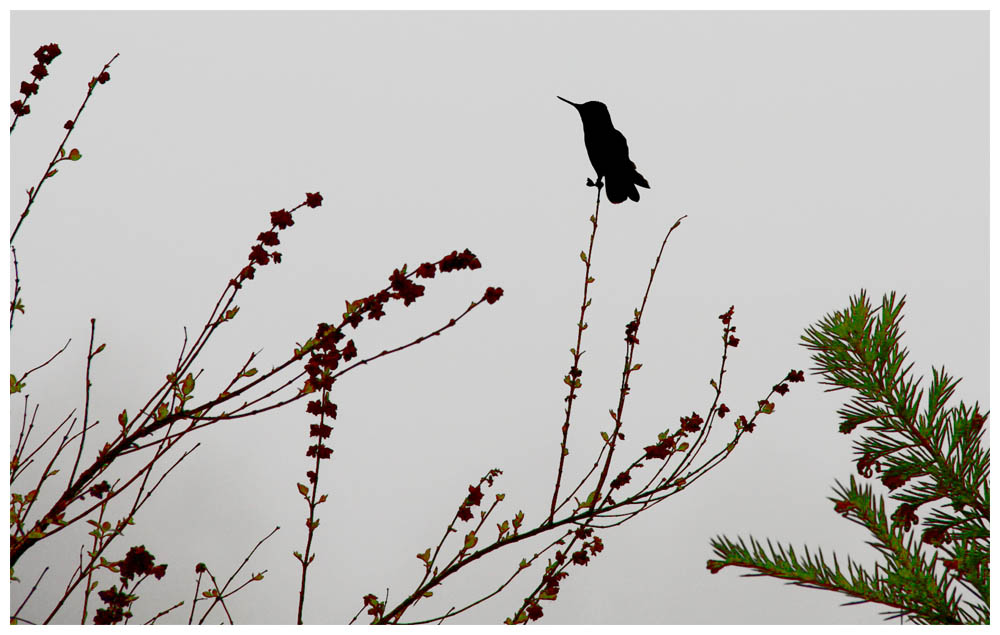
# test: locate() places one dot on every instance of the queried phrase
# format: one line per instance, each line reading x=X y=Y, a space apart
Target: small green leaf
x=74 y=155
x=425 y=556
x=302 y=489
x=250 y=372
x=188 y=385
x=471 y=540
x=15 y=385
x=583 y=256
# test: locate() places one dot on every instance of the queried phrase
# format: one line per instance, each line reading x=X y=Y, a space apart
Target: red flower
x=580 y=557
x=104 y=77
x=99 y=490
x=475 y=496
x=425 y=270
x=464 y=513
x=320 y=430
x=621 y=480
x=658 y=451
x=68 y=125
x=20 y=108
x=492 y=294
x=455 y=261
x=259 y=255
x=723 y=410
x=781 y=389
x=534 y=611
x=281 y=219
x=630 y=332
x=268 y=238
x=137 y=561
x=314 y=199
x=733 y=341
x=795 y=376
x=319 y=450
x=29 y=89
x=692 y=423
x=727 y=316
x=405 y=289
x=350 y=351
x=38 y=71
x=45 y=54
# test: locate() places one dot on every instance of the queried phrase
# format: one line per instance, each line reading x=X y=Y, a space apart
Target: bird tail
x=619 y=189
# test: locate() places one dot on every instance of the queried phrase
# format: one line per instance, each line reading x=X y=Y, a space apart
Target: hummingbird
x=608 y=152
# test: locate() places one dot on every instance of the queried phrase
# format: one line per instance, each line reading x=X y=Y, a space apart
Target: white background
x=815 y=154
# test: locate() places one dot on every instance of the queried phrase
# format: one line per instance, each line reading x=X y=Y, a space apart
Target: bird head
x=591 y=111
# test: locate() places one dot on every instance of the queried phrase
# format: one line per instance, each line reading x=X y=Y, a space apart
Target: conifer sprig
x=927 y=452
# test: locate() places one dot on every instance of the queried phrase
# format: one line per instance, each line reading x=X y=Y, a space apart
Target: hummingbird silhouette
x=608 y=152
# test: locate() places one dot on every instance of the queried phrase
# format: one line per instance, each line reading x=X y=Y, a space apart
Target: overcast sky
x=815 y=154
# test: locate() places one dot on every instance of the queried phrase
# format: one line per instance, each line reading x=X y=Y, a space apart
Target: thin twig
x=60 y=151
x=30 y=593
x=573 y=378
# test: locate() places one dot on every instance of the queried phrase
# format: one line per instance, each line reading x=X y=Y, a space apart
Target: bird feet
x=598 y=185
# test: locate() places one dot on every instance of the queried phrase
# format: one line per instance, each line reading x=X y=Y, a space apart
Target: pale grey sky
x=814 y=154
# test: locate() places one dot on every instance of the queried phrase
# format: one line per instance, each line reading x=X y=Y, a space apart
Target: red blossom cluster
x=99 y=490
x=137 y=563
x=475 y=496
x=692 y=423
x=324 y=358
x=402 y=288
x=45 y=54
x=553 y=575
x=631 y=329
x=280 y=219
x=456 y=261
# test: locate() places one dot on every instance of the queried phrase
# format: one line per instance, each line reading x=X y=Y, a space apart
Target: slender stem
x=33 y=193
x=86 y=404
x=573 y=379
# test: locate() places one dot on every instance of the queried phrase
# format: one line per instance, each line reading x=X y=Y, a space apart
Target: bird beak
x=577 y=106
